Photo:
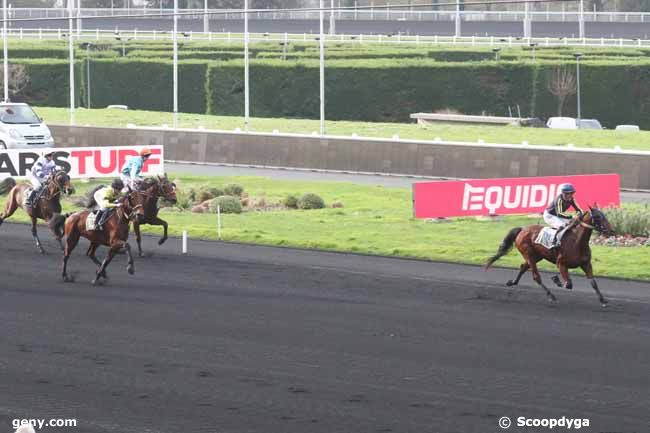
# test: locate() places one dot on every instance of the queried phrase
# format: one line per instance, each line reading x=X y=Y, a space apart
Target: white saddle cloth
x=545 y=237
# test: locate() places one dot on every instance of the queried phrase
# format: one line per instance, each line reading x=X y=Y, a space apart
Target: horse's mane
x=6 y=185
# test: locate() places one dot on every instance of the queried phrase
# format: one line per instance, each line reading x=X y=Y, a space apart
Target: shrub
x=311 y=201
x=632 y=220
x=290 y=201
x=233 y=189
x=208 y=193
x=227 y=203
x=184 y=199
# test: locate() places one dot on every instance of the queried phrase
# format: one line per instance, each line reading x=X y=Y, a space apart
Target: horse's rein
x=585 y=225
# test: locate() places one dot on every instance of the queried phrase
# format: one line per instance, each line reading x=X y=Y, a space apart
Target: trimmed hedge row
x=370 y=90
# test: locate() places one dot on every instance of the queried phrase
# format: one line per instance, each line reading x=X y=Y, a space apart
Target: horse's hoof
x=162 y=241
x=510 y=283
x=95 y=282
x=67 y=279
x=552 y=299
x=604 y=303
x=42 y=251
x=569 y=286
x=141 y=254
x=130 y=270
x=556 y=280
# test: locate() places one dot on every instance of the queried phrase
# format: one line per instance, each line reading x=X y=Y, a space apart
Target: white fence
x=361 y=15
x=231 y=37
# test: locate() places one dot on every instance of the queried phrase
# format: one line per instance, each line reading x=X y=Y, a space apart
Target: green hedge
x=147 y=85
x=49 y=82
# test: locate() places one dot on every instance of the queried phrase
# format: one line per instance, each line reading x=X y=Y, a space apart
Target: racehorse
x=114 y=236
x=153 y=189
x=46 y=207
x=574 y=251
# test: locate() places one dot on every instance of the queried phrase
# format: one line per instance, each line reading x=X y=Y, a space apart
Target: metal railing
x=360 y=15
x=231 y=37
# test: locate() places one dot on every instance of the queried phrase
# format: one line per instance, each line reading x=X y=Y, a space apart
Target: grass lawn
x=444 y=131
x=374 y=220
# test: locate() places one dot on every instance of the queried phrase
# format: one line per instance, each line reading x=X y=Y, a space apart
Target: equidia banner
x=81 y=162
x=477 y=197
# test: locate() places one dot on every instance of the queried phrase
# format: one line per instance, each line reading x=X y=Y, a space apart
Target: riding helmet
x=567 y=188
x=117 y=184
x=145 y=152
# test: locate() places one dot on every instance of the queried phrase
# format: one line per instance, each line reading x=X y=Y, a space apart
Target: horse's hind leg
x=102 y=268
x=70 y=244
x=522 y=270
x=53 y=224
x=35 y=236
x=589 y=273
x=538 y=279
x=130 y=268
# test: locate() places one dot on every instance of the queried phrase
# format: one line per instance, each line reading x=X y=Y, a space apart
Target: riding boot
x=99 y=220
x=32 y=200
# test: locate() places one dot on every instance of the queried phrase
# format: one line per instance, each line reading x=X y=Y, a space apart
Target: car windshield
x=18 y=114
x=590 y=124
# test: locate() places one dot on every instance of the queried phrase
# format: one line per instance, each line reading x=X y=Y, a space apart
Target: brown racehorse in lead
x=574 y=251
x=114 y=235
x=154 y=189
x=46 y=207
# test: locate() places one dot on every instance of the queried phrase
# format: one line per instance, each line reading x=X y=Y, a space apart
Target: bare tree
x=561 y=83
x=18 y=79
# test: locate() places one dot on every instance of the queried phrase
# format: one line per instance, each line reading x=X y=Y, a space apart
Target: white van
x=571 y=123
x=21 y=128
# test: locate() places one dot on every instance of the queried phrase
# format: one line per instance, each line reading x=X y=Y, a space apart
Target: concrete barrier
x=412 y=157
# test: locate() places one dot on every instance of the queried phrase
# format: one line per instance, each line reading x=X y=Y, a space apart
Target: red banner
x=476 y=197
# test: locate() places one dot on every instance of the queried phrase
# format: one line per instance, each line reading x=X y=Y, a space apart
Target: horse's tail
x=505 y=246
x=58 y=223
x=89 y=201
x=7 y=185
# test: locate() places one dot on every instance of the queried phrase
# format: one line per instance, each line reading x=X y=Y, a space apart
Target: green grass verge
x=374 y=220
x=444 y=131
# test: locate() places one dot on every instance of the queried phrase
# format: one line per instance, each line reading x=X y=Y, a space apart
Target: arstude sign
x=477 y=197
x=81 y=162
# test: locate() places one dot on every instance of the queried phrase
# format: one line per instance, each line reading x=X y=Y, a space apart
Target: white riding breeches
x=36 y=182
x=554 y=221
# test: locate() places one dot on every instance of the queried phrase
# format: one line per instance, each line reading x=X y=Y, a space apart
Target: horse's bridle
x=128 y=216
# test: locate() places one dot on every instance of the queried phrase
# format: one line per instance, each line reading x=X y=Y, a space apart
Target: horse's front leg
x=130 y=268
x=35 y=235
x=589 y=273
x=159 y=222
x=138 y=237
x=564 y=272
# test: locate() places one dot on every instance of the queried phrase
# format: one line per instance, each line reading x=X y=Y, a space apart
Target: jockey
x=556 y=214
x=130 y=173
x=39 y=173
x=105 y=198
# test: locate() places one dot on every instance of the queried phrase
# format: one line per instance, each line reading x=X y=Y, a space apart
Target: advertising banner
x=483 y=197
x=81 y=162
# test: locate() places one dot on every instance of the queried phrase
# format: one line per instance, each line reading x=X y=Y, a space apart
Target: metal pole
x=527 y=26
x=4 y=43
x=246 y=70
x=88 y=74
x=332 y=22
x=71 y=50
x=206 y=20
x=457 y=23
x=322 y=71
x=578 y=85
x=78 y=18
x=175 y=43
x=582 y=19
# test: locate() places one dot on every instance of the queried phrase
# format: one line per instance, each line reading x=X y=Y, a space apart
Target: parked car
x=21 y=128
x=628 y=128
x=571 y=123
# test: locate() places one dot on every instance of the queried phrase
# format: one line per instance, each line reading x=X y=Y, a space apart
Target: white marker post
x=218 y=222
x=184 y=241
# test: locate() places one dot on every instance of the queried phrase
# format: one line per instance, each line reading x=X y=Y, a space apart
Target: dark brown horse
x=46 y=207
x=114 y=235
x=154 y=189
x=573 y=253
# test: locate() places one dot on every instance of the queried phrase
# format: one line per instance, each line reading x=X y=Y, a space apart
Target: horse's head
x=167 y=189
x=61 y=181
x=600 y=222
x=133 y=205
